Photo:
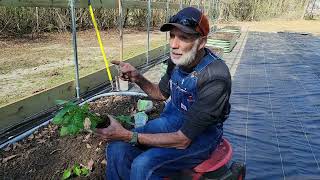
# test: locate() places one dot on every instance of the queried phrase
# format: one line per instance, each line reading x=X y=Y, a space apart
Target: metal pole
x=117 y=80
x=209 y=10
x=202 y=5
x=75 y=50
x=167 y=18
x=180 y=4
x=218 y=10
x=121 y=29
x=217 y=14
x=37 y=14
x=148 y=29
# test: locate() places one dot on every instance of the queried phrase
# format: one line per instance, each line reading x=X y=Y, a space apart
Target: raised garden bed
x=216 y=50
x=224 y=36
x=46 y=155
x=224 y=40
x=236 y=30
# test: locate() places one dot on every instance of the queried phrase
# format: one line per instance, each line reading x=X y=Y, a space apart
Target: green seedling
x=73 y=119
x=126 y=120
x=76 y=170
x=66 y=174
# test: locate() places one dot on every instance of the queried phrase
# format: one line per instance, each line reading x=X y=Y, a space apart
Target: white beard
x=188 y=57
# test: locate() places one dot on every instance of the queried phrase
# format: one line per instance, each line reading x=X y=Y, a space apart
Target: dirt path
x=311 y=26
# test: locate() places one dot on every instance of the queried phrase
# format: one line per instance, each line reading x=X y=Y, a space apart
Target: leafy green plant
x=73 y=118
x=76 y=170
x=125 y=120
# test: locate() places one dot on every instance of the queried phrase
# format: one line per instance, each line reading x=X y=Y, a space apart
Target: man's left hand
x=114 y=131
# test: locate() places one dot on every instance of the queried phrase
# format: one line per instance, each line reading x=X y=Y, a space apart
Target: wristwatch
x=134 y=139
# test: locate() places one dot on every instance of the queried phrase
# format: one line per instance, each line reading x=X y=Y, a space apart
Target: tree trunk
x=305 y=8
x=125 y=18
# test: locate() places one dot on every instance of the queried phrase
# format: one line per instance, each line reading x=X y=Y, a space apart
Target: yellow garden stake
x=100 y=43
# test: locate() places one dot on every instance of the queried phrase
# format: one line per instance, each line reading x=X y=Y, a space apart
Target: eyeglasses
x=184 y=21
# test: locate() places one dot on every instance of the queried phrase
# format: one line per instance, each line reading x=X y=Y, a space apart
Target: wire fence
x=15 y=21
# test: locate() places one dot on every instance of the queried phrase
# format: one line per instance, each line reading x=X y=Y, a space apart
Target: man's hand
x=127 y=71
x=130 y=73
x=114 y=131
x=169 y=140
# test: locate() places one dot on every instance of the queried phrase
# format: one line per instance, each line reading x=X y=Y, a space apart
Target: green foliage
x=66 y=174
x=125 y=120
x=85 y=171
x=76 y=170
x=246 y=10
x=72 y=117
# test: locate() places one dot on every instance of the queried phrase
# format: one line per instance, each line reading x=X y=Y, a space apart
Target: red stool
x=220 y=157
x=216 y=166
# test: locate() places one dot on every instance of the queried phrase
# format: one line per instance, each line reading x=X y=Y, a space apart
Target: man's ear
x=203 y=42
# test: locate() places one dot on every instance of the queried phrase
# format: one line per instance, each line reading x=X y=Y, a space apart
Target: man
x=197 y=87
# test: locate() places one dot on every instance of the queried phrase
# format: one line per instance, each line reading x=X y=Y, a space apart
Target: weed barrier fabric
x=274 y=125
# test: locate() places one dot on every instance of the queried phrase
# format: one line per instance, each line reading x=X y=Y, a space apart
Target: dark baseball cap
x=189 y=20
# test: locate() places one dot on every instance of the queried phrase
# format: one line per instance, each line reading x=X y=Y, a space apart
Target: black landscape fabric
x=274 y=125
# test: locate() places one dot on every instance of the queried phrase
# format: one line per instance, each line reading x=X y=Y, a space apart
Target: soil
x=45 y=155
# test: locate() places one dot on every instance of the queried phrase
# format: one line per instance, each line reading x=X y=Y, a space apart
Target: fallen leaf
x=8 y=148
x=88 y=146
x=100 y=143
x=104 y=162
x=87 y=137
x=38 y=136
x=15 y=145
x=98 y=149
x=90 y=164
x=9 y=158
x=55 y=127
x=40 y=141
x=87 y=123
x=31 y=137
x=44 y=132
x=18 y=145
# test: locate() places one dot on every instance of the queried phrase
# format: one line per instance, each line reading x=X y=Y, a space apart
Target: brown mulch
x=45 y=155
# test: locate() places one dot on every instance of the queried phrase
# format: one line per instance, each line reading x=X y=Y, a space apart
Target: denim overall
x=125 y=161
